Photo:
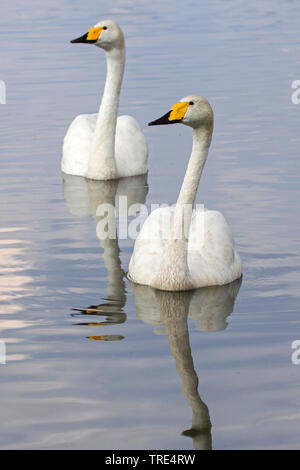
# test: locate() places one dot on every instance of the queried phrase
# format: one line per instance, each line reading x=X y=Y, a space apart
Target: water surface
x=122 y=371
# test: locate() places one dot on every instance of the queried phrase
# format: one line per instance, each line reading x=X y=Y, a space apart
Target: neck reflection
x=85 y=198
x=208 y=307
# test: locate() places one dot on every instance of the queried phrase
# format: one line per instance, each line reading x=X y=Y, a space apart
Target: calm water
x=61 y=388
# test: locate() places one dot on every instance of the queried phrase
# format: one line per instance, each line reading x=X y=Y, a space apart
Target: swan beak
x=90 y=37
x=176 y=114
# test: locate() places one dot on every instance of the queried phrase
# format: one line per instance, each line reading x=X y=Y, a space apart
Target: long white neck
x=174 y=272
x=102 y=164
x=188 y=191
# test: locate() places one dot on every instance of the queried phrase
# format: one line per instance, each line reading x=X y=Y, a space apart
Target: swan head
x=193 y=110
x=106 y=34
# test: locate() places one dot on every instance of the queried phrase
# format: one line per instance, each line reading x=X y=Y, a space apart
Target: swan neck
x=201 y=143
x=188 y=191
x=174 y=271
x=102 y=164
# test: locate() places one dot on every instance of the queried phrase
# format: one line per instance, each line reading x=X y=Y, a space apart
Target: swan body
x=103 y=146
x=204 y=253
x=211 y=260
x=129 y=146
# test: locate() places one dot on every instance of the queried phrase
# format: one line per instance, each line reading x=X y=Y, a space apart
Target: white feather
x=131 y=151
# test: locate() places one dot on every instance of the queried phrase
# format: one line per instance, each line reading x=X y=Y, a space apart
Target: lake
x=133 y=368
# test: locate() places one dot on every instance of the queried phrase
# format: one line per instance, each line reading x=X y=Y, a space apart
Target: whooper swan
x=199 y=249
x=103 y=146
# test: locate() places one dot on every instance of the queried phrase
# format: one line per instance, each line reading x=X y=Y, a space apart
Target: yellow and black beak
x=176 y=114
x=90 y=37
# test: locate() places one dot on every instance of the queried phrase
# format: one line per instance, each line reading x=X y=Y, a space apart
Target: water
x=63 y=387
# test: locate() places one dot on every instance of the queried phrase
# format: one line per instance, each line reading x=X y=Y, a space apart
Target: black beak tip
x=82 y=39
x=162 y=120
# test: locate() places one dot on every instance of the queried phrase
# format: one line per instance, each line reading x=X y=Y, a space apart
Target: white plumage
x=130 y=146
x=103 y=146
x=206 y=255
x=211 y=257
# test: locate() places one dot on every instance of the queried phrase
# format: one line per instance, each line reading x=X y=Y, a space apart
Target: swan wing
x=131 y=150
x=212 y=258
x=77 y=144
x=148 y=248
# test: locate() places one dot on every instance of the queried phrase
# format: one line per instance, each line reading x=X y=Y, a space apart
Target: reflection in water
x=83 y=198
x=106 y=338
x=208 y=307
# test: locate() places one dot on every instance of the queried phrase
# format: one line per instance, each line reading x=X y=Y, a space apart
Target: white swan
x=102 y=146
x=199 y=249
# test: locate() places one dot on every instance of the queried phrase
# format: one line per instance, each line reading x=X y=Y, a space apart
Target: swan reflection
x=168 y=312
x=83 y=198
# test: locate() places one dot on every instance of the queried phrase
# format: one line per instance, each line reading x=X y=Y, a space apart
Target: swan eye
x=191 y=103
x=104 y=27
